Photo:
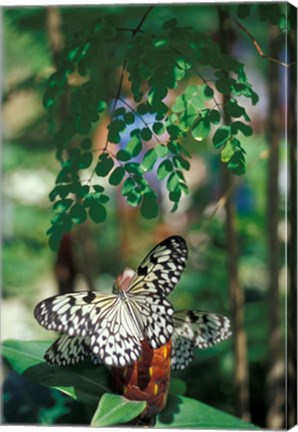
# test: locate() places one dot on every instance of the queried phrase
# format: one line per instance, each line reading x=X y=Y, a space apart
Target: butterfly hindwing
x=67 y=350
x=196 y=329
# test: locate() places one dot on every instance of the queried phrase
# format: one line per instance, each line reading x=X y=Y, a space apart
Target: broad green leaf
x=97 y=212
x=149 y=160
x=117 y=176
x=221 y=135
x=114 y=410
x=173 y=182
x=149 y=206
x=235 y=110
x=115 y=128
x=83 y=382
x=104 y=165
x=184 y=412
x=86 y=144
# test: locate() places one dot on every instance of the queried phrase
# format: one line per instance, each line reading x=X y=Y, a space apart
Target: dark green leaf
x=146 y=134
x=104 y=165
x=129 y=118
x=243 y=11
x=192 y=414
x=98 y=188
x=85 y=160
x=62 y=205
x=134 y=198
x=78 y=213
x=200 y=129
x=242 y=127
x=83 y=382
x=149 y=206
x=97 y=212
x=221 y=135
x=83 y=125
x=180 y=162
x=158 y=128
x=117 y=176
x=115 y=409
x=123 y=156
x=86 y=144
x=170 y=24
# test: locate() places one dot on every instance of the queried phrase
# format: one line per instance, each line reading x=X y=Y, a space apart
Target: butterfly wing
x=196 y=329
x=67 y=350
x=161 y=269
x=103 y=318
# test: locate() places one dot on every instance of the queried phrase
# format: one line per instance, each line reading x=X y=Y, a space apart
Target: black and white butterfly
x=192 y=329
x=111 y=327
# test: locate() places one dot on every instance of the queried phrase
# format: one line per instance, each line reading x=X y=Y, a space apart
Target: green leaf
x=84 y=382
x=164 y=169
x=134 y=198
x=128 y=186
x=161 y=150
x=117 y=176
x=86 y=144
x=104 y=165
x=114 y=409
x=221 y=135
x=62 y=205
x=241 y=127
x=129 y=118
x=134 y=146
x=78 y=213
x=115 y=128
x=85 y=160
x=98 y=188
x=180 y=162
x=146 y=134
x=149 y=206
x=173 y=182
x=123 y=156
x=97 y=212
x=149 y=160
x=184 y=412
x=158 y=128
x=243 y=11
x=227 y=151
x=200 y=129
x=83 y=125
x=235 y=110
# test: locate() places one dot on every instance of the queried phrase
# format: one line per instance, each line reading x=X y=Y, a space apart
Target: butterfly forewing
x=161 y=269
x=196 y=329
x=76 y=314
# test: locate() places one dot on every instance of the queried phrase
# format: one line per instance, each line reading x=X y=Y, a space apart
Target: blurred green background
x=98 y=253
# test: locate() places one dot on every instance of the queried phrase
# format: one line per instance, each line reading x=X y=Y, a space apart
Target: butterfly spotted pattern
x=196 y=329
x=112 y=326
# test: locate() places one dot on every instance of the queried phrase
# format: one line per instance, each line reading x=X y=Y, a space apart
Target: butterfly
x=192 y=329
x=110 y=327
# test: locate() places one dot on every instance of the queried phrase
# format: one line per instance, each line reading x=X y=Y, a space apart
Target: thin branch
x=259 y=49
x=136 y=30
x=140 y=117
